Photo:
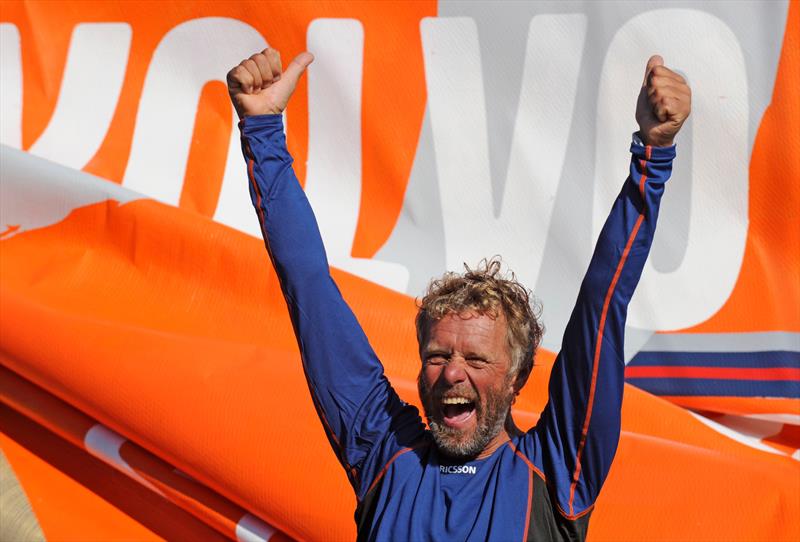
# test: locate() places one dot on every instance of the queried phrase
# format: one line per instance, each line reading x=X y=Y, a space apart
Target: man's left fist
x=664 y=104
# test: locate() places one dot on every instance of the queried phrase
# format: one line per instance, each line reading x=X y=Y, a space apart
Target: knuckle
x=661 y=72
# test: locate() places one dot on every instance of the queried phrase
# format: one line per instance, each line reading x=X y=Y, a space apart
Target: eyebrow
x=472 y=354
x=434 y=350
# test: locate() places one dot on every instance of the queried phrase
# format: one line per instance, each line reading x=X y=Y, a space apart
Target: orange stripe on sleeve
x=600 y=330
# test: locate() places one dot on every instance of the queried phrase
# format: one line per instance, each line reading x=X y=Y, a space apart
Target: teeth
x=455 y=401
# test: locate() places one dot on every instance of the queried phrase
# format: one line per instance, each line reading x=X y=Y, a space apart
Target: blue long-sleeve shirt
x=541 y=485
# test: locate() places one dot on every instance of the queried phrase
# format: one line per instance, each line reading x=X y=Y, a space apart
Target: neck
x=509 y=430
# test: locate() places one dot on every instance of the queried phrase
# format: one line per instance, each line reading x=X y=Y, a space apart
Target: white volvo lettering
x=333 y=175
x=10 y=86
x=90 y=89
x=456 y=103
x=168 y=106
x=717 y=215
x=719 y=182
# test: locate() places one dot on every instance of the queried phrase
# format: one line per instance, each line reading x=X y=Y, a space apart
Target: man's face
x=465 y=385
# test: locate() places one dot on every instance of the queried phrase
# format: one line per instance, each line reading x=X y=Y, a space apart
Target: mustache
x=456 y=391
x=439 y=391
x=432 y=397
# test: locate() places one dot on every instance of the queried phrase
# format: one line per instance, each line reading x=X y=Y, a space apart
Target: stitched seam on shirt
x=389 y=463
x=261 y=212
x=601 y=329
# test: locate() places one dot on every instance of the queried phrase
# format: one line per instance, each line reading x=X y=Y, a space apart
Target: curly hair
x=486 y=290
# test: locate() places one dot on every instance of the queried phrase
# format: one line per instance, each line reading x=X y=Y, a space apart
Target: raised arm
x=579 y=428
x=353 y=398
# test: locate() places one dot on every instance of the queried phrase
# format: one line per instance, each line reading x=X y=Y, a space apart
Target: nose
x=454 y=372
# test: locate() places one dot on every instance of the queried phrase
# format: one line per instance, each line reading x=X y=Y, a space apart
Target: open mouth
x=457 y=411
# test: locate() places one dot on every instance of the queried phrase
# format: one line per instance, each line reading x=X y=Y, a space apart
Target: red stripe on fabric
x=251 y=176
x=643 y=164
x=531 y=470
x=532 y=467
x=388 y=464
x=723 y=373
x=336 y=442
x=260 y=211
x=599 y=344
x=528 y=509
x=527 y=461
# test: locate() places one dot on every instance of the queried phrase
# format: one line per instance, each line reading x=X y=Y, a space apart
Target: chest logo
x=458 y=469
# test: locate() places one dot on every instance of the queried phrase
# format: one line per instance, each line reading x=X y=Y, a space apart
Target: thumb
x=654 y=61
x=294 y=71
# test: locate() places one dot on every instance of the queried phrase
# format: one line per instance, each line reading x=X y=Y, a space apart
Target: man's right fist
x=259 y=86
x=665 y=102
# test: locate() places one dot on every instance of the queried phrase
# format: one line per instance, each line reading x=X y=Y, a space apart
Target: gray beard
x=452 y=442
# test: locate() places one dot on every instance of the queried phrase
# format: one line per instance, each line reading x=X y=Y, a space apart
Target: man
x=472 y=475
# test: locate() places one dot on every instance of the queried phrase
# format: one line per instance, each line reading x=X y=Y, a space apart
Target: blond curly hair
x=486 y=290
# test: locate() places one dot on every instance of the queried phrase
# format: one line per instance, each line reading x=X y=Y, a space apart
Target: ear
x=522 y=377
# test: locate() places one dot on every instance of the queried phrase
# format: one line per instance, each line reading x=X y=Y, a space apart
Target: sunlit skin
x=467 y=356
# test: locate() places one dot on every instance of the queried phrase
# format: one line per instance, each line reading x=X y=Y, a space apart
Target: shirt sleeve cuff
x=261 y=121
x=656 y=154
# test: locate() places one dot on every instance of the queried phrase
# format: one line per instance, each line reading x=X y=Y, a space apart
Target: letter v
x=458 y=118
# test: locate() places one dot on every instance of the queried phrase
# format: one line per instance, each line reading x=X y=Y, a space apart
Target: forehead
x=469 y=331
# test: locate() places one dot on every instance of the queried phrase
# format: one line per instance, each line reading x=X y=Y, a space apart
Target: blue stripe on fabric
x=717 y=387
x=755 y=360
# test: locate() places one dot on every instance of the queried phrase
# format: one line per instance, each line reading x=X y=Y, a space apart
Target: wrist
x=655 y=154
x=654 y=141
x=255 y=122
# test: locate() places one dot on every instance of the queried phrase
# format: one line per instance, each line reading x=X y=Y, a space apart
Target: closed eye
x=437 y=358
